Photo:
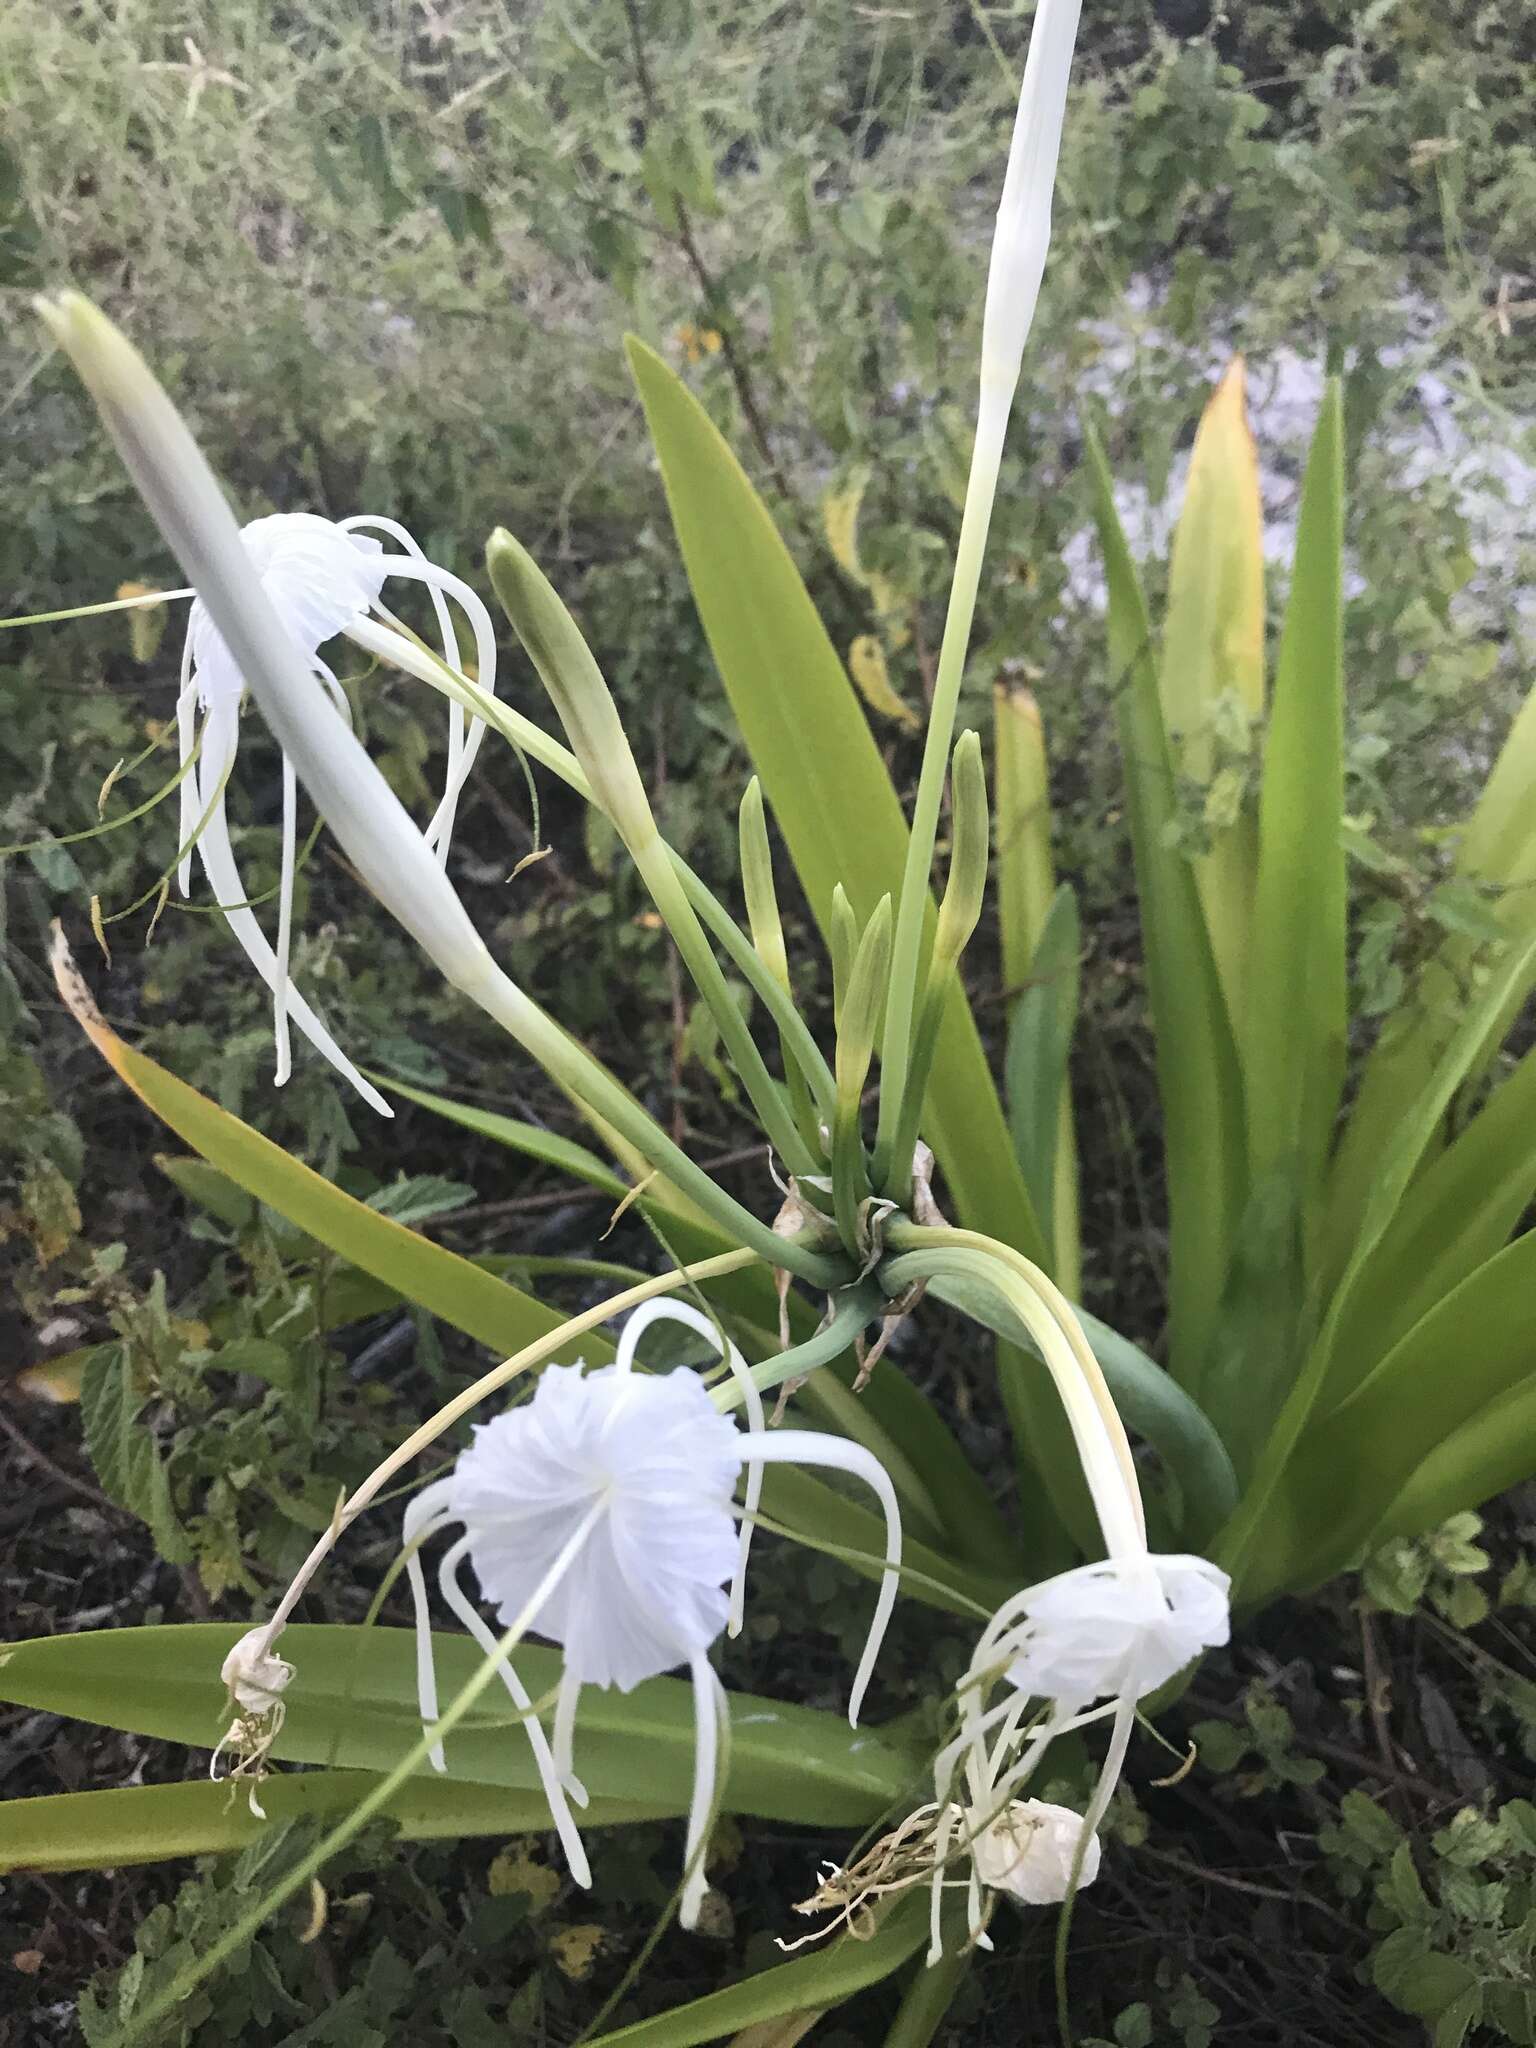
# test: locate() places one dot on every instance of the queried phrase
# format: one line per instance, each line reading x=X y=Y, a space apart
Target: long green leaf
x=148 y=1823
x=1213 y=659
x=1293 y=1042
x=1493 y=1451
x=1453 y=1219
x=819 y=1979
x=1197 y=1070
x=1040 y=1030
x=1401 y=1157
x=1025 y=879
x=1348 y=1470
x=352 y=1706
x=490 y=1310
x=819 y=765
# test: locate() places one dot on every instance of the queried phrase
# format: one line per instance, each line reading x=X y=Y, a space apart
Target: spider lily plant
x=1326 y=1272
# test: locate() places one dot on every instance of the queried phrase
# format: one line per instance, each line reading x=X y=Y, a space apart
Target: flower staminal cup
x=604 y=1510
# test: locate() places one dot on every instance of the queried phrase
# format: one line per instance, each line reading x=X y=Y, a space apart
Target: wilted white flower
x=601 y=1515
x=1030 y=1850
x=323 y=579
x=256 y=1679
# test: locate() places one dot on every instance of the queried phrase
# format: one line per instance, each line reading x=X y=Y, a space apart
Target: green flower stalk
x=959 y=915
x=1019 y=246
x=580 y=695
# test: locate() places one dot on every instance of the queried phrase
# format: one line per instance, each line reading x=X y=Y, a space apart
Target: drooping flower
x=323 y=579
x=603 y=1511
x=1082 y=1647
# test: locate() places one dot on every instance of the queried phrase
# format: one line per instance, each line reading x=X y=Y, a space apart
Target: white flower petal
x=1122 y=1626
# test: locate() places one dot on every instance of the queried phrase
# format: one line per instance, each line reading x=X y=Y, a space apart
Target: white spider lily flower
x=1076 y=1649
x=1113 y=1627
x=603 y=1509
x=323 y=579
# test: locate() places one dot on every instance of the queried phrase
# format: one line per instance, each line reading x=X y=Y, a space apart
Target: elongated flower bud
x=575 y=684
x=1023 y=233
x=757 y=884
x=862 y=1005
x=966 y=888
x=843 y=941
x=189 y=508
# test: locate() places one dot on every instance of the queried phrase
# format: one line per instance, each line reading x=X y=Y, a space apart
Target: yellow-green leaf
x=1212 y=672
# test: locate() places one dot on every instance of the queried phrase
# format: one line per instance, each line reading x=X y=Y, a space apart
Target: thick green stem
x=856 y=1309
x=986 y=460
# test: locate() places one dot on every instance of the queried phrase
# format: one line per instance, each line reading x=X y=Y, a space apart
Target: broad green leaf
x=147 y=1823
x=1025 y=879
x=1454 y=1218
x=1400 y=1158
x=1349 y=1468
x=819 y=765
x=1492 y=1451
x=1211 y=674
x=1040 y=1030
x=438 y=1280
x=1498 y=851
x=352 y=1706
x=1197 y=1070
x=818 y=1979
x=1296 y=1020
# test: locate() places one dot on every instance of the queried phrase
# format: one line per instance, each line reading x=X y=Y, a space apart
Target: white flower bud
x=1029 y=1850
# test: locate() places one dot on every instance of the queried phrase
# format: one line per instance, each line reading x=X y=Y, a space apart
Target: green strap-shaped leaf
x=490 y=1310
x=815 y=1981
x=1197 y=1070
x=352 y=1706
x=1293 y=1041
x=1349 y=1470
x=1025 y=878
x=819 y=765
x=1491 y=1452
x=148 y=1823
x=1453 y=1219
x=1213 y=664
x=1040 y=1029
x=1400 y=1159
